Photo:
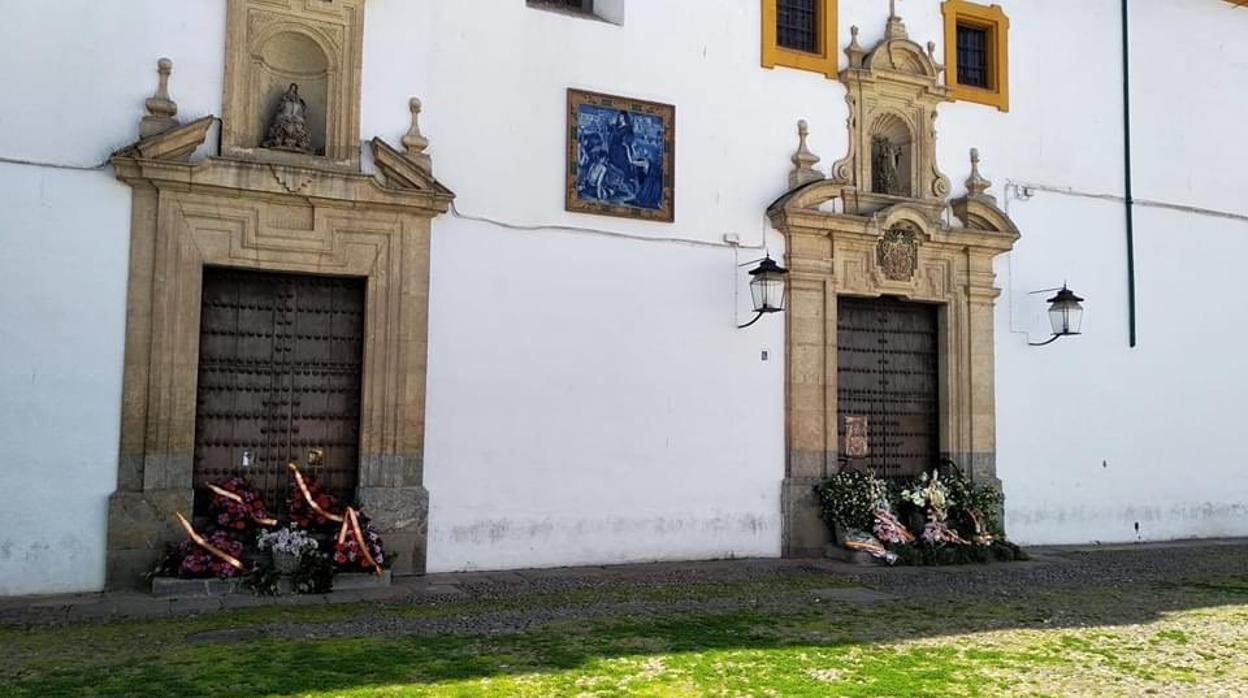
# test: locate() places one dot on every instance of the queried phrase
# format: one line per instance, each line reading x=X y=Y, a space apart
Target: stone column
x=141 y=509
x=810 y=393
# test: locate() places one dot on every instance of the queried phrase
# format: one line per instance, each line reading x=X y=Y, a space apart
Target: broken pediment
x=176 y=144
x=893 y=91
x=162 y=157
x=412 y=168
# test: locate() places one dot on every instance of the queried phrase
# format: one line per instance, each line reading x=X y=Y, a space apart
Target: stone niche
x=251 y=207
x=315 y=44
x=864 y=233
x=892 y=91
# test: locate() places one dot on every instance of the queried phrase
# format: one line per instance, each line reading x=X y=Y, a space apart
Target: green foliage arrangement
x=315 y=574
x=262 y=580
x=965 y=495
x=933 y=555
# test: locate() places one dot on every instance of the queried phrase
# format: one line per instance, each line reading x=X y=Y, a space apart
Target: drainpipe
x=1126 y=170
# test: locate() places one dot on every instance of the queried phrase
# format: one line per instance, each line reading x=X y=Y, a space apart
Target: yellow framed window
x=977 y=56
x=800 y=34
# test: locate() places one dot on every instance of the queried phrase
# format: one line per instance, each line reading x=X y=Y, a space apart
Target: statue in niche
x=885 y=163
x=289 y=129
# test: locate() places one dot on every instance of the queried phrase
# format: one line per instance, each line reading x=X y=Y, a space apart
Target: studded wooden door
x=280 y=361
x=888 y=373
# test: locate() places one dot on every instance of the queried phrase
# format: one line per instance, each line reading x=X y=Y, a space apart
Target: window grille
x=973 y=57
x=582 y=6
x=797 y=25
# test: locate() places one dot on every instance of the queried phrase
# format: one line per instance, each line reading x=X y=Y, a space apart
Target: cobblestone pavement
x=621 y=591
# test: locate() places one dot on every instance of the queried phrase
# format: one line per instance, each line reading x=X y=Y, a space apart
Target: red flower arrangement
x=198 y=563
x=237 y=506
x=347 y=554
x=302 y=514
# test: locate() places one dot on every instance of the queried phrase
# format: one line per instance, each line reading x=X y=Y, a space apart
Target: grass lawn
x=765 y=638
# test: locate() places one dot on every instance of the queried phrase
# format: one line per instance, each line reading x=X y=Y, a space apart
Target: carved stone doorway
x=267 y=210
x=280 y=361
x=851 y=234
x=887 y=378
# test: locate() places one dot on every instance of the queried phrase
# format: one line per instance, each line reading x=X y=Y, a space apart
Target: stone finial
x=895 y=28
x=976 y=185
x=415 y=143
x=803 y=160
x=931 y=54
x=855 y=51
x=161 y=109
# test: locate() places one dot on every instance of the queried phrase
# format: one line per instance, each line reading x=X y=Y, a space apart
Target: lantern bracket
x=1063 y=295
x=766 y=274
x=757 y=314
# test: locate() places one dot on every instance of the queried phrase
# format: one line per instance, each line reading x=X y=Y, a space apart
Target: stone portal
x=878 y=226
x=310 y=212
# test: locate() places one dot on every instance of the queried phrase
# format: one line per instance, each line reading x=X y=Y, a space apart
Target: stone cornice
x=845 y=226
x=331 y=187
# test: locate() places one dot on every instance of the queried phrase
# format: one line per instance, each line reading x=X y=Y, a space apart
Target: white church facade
x=483 y=268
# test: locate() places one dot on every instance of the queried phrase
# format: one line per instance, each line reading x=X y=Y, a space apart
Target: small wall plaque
x=857 y=445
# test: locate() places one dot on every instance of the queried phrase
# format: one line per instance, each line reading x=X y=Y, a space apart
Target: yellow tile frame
x=992 y=19
x=825 y=61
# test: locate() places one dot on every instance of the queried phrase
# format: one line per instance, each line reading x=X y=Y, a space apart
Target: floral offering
x=302 y=514
x=347 y=553
x=198 y=563
x=289 y=541
x=937 y=518
x=237 y=506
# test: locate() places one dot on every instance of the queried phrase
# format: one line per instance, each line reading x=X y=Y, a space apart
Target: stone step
x=172 y=587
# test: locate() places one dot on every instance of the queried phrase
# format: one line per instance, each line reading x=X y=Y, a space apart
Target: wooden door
x=887 y=371
x=280 y=360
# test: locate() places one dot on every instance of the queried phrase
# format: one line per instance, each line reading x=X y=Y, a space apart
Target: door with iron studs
x=888 y=385
x=280 y=359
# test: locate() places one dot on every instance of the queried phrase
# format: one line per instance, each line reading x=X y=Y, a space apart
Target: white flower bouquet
x=289 y=541
x=928 y=492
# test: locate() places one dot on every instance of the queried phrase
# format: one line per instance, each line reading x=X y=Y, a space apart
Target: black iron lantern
x=1065 y=315
x=767 y=288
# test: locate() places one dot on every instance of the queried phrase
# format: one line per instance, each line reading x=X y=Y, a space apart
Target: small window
x=976 y=53
x=800 y=34
x=797 y=25
x=973 y=56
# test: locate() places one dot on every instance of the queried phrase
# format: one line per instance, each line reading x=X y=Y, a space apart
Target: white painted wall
x=590 y=399
x=1093 y=436
x=62 y=320
x=74 y=79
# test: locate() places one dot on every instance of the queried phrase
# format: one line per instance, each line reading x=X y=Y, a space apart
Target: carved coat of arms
x=898 y=254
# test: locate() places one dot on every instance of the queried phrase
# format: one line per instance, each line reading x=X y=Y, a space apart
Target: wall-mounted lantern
x=1065 y=315
x=767 y=288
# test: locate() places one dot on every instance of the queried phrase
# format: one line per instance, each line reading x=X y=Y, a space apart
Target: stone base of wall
x=805 y=533
x=140 y=524
x=171 y=587
x=832 y=551
x=401 y=515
